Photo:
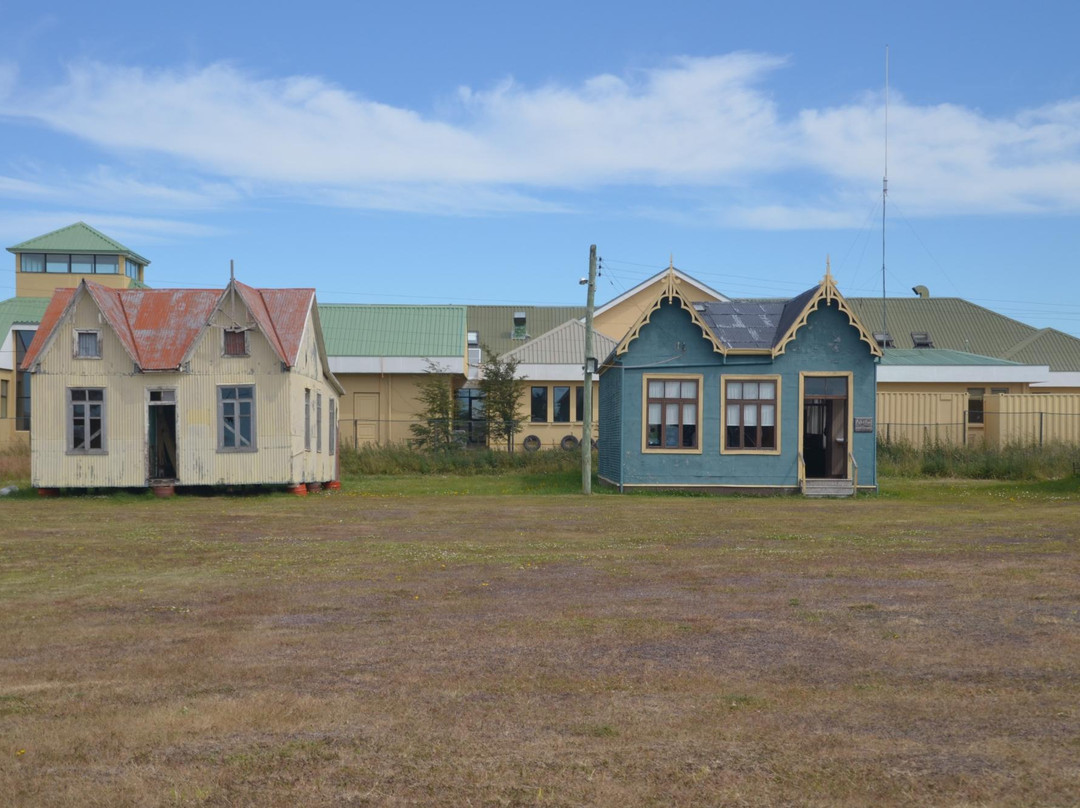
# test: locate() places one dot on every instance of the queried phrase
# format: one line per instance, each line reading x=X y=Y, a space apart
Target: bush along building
x=752 y=395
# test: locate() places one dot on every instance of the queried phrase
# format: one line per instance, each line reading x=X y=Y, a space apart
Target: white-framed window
x=236 y=418
x=751 y=410
x=307 y=419
x=87 y=344
x=672 y=408
x=331 y=438
x=86 y=420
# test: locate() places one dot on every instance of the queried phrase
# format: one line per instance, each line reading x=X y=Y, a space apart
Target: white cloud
x=706 y=124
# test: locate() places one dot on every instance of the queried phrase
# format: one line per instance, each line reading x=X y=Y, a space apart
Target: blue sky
x=436 y=152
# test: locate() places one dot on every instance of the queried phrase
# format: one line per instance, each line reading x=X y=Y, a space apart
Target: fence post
x=1041 y=414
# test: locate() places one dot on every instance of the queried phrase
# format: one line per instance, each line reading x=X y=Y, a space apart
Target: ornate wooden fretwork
x=671 y=289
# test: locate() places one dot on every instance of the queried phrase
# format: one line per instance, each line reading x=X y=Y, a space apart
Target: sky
x=432 y=152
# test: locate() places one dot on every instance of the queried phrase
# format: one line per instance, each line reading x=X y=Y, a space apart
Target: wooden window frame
x=77 y=333
x=743 y=378
x=664 y=401
x=77 y=411
x=251 y=417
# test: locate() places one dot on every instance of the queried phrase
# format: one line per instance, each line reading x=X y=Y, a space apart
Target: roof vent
x=519 y=325
x=884 y=339
x=921 y=339
x=921 y=291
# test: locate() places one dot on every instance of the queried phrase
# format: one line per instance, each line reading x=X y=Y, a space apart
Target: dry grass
x=388 y=649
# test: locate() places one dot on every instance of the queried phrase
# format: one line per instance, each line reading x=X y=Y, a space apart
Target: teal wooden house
x=767 y=395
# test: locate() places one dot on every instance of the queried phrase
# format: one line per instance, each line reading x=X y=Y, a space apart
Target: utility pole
x=590 y=364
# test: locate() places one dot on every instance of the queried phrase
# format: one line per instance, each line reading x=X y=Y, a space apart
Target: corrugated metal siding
x=1032 y=419
x=921 y=419
x=280 y=457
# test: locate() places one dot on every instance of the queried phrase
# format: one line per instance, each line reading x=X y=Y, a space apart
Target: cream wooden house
x=184 y=387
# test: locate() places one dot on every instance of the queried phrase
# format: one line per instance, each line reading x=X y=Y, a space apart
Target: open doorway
x=161 y=446
x=825 y=426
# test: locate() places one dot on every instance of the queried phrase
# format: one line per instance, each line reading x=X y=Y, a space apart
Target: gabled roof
x=562 y=345
x=360 y=329
x=159 y=327
x=495 y=323
x=752 y=326
x=695 y=288
x=963 y=326
x=77 y=238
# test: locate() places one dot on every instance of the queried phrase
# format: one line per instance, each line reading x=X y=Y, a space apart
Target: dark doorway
x=825 y=416
x=162 y=435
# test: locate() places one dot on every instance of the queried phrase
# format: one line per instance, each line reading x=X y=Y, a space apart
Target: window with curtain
x=671 y=414
x=750 y=414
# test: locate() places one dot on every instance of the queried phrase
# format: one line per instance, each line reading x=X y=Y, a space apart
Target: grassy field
x=466 y=641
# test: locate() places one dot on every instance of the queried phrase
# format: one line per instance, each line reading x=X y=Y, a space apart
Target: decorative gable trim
x=826 y=293
x=671 y=289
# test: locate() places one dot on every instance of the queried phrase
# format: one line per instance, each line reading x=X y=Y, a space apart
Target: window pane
x=671 y=389
x=656 y=389
x=768 y=437
x=689 y=436
x=767 y=390
x=561 y=405
x=579 y=403
x=82 y=263
x=689 y=389
x=733 y=436
x=814 y=386
x=88 y=343
x=653 y=436
x=836 y=386
x=33 y=262
x=245 y=392
x=689 y=414
x=750 y=390
x=654 y=414
x=733 y=411
x=539 y=405
x=750 y=414
x=56 y=263
x=750 y=437
x=734 y=390
x=671 y=413
x=671 y=436
x=768 y=415
x=106 y=264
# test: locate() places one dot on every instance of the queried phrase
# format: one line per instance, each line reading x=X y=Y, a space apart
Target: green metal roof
x=962 y=326
x=495 y=324
x=77 y=238
x=21 y=311
x=360 y=329
x=938 y=356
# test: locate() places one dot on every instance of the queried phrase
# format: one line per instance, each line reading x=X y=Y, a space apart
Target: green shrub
x=1013 y=462
x=401 y=459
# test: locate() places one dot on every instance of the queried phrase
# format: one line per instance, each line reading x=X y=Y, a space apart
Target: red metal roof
x=159 y=326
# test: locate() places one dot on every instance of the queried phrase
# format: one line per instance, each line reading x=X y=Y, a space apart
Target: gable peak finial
x=828 y=269
x=671 y=261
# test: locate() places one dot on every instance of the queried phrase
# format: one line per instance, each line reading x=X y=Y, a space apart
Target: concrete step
x=829 y=488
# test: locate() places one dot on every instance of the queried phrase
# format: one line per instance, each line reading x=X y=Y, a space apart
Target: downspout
x=622 y=420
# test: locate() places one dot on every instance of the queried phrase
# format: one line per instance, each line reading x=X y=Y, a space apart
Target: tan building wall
x=280 y=456
x=42 y=284
x=549 y=432
x=1033 y=419
x=921 y=418
x=378 y=409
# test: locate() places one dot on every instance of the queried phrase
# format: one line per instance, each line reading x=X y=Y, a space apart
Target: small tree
x=436 y=431
x=502 y=397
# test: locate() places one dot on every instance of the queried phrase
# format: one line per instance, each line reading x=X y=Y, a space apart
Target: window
x=579 y=403
x=539 y=401
x=3 y=398
x=131 y=269
x=673 y=409
x=32 y=262
x=999 y=391
x=476 y=353
x=331 y=437
x=78 y=264
x=86 y=420
x=307 y=419
x=560 y=405
x=235 y=342
x=519 y=331
x=975 y=404
x=750 y=414
x=318 y=422
x=23 y=338
x=236 y=418
x=88 y=344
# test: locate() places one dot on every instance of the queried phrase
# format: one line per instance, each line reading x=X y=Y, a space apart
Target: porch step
x=829 y=488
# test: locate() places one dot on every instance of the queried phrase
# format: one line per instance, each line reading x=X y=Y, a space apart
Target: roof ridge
x=1026 y=341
